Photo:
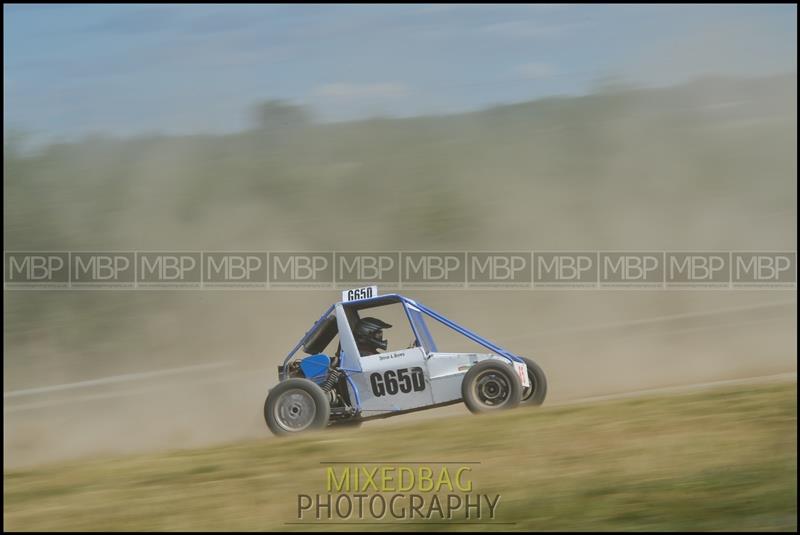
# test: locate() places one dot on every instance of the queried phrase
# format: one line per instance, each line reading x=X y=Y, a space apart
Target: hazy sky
x=73 y=70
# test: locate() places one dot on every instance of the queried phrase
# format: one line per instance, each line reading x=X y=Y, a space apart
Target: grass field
x=722 y=459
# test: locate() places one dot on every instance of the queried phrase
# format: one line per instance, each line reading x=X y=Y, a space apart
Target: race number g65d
x=403 y=381
x=359 y=293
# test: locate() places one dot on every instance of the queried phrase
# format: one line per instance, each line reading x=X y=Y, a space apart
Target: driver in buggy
x=368 y=333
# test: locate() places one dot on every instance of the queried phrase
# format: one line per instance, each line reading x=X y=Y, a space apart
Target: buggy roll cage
x=414 y=311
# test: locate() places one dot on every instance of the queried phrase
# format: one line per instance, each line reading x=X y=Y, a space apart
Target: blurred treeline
x=709 y=164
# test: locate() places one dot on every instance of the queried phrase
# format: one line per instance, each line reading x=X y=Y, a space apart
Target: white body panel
x=447 y=371
x=394 y=381
x=442 y=373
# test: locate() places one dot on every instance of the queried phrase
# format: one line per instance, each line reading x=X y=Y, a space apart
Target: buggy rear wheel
x=490 y=385
x=296 y=405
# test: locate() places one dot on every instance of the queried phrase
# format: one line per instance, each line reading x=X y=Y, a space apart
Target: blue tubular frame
x=420 y=328
x=467 y=333
x=355 y=390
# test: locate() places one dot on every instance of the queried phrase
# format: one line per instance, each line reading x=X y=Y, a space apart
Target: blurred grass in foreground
x=723 y=459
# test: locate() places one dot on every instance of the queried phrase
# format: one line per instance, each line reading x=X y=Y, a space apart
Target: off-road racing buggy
x=359 y=383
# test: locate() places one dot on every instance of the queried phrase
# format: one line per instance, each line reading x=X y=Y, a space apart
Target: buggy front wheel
x=296 y=405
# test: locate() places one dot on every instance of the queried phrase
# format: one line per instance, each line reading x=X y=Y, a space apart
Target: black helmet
x=369 y=332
